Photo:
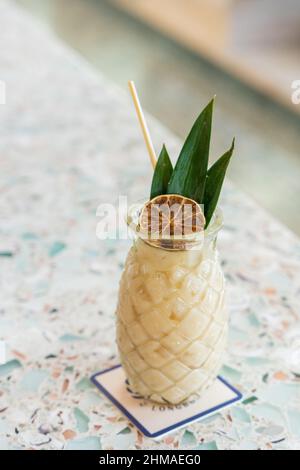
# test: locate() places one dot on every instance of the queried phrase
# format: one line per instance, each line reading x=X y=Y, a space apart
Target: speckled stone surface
x=68 y=139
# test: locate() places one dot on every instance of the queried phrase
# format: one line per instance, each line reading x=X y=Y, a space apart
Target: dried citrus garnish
x=170 y=220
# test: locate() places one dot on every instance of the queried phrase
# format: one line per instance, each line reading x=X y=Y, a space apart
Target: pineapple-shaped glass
x=171 y=319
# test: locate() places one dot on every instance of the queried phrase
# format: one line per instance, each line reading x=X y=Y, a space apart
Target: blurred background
x=182 y=52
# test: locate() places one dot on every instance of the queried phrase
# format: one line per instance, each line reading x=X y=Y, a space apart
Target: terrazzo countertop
x=68 y=140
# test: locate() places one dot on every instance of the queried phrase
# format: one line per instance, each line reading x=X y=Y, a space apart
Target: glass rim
x=216 y=223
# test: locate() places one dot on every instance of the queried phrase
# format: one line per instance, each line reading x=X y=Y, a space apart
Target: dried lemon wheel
x=171 y=221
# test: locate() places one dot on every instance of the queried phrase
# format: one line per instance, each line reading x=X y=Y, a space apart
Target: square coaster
x=156 y=420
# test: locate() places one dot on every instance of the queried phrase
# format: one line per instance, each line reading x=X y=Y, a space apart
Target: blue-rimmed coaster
x=155 y=420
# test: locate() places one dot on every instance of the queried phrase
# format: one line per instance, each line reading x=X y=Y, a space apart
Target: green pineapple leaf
x=189 y=175
x=214 y=182
x=162 y=174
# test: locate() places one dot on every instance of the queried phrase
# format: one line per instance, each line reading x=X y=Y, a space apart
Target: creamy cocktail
x=172 y=325
x=171 y=315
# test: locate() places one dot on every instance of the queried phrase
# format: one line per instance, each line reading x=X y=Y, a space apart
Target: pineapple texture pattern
x=171 y=321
